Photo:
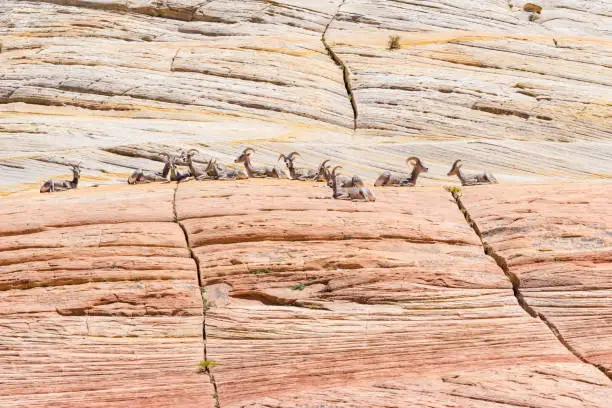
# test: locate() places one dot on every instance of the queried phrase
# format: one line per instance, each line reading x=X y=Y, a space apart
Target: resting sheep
x=395 y=179
x=52 y=186
x=299 y=173
x=471 y=179
x=343 y=181
x=259 y=172
x=349 y=193
x=219 y=172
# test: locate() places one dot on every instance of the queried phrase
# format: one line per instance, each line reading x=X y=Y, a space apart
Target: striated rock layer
x=317 y=302
x=525 y=94
x=557 y=243
x=309 y=301
x=99 y=302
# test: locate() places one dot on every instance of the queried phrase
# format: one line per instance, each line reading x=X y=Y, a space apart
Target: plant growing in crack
x=394 y=42
x=260 y=272
x=299 y=286
x=205 y=305
x=454 y=190
x=206 y=365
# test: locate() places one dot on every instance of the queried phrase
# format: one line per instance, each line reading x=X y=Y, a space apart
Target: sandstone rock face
x=556 y=241
x=467 y=69
x=523 y=93
x=309 y=301
x=99 y=302
x=317 y=302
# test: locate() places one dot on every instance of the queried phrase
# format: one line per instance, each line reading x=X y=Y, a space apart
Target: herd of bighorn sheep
x=343 y=187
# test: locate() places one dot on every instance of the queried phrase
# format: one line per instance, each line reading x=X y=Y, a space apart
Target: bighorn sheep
x=213 y=170
x=343 y=181
x=51 y=186
x=395 y=179
x=258 y=172
x=299 y=173
x=219 y=172
x=349 y=193
x=471 y=179
x=142 y=177
x=196 y=172
x=174 y=174
x=323 y=173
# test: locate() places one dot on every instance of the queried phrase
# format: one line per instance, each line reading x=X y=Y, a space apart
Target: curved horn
x=324 y=163
x=456 y=163
x=193 y=151
x=416 y=159
x=334 y=170
x=282 y=156
x=292 y=154
x=248 y=149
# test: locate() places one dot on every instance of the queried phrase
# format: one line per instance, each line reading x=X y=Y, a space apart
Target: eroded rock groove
x=346 y=73
x=208 y=370
x=514 y=279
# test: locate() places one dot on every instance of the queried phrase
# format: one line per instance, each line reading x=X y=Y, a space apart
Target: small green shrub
x=299 y=286
x=453 y=189
x=260 y=272
x=394 y=42
x=205 y=365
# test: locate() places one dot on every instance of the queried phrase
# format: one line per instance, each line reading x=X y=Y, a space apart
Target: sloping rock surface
x=308 y=296
x=309 y=301
x=525 y=94
x=557 y=243
x=99 y=303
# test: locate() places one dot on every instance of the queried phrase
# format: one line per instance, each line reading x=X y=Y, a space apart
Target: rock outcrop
x=308 y=301
x=83 y=79
x=268 y=293
x=555 y=242
x=99 y=302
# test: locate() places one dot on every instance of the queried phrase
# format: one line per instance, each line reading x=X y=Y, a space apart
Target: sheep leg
x=342 y=196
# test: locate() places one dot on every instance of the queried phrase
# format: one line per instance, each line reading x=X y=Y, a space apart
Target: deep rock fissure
x=503 y=265
x=346 y=73
x=208 y=369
